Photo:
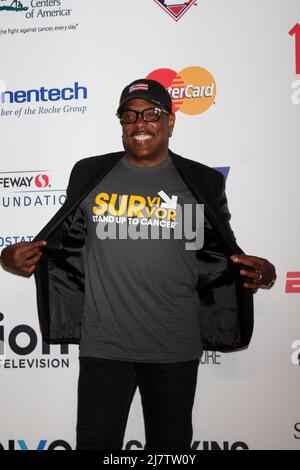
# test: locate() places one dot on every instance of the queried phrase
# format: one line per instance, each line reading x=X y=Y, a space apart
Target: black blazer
x=226 y=306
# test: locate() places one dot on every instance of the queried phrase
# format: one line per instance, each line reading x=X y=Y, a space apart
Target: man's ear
x=172 y=119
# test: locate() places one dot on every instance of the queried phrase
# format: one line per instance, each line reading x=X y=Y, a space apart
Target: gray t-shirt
x=141 y=304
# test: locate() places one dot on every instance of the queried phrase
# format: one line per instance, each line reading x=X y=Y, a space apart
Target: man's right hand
x=23 y=256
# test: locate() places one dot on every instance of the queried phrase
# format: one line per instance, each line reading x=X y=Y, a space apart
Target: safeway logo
x=175 y=8
x=41 y=181
x=29 y=189
x=23 y=180
x=193 y=89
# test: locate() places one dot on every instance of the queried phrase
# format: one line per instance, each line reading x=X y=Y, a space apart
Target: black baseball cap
x=149 y=90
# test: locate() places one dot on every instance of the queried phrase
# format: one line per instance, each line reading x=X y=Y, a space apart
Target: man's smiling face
x=144 y=140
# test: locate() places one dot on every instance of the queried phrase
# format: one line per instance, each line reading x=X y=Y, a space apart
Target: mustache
x=141 y=131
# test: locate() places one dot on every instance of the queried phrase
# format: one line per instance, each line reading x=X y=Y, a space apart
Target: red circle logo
x=41 y=181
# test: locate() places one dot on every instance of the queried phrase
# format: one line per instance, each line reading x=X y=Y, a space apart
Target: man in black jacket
x=142 y=306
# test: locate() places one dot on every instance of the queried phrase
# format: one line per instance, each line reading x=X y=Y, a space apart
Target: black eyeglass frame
x=137 y=113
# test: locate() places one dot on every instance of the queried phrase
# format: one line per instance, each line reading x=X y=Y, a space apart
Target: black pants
x=105 y=392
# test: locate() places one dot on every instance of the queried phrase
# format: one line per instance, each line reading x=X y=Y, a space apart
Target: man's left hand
x=262 y=273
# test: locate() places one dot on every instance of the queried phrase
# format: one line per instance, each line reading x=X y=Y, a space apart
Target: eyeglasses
x=129 y=116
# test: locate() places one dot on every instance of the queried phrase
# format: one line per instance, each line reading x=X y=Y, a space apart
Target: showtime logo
x=175 y=8
x=193 y=89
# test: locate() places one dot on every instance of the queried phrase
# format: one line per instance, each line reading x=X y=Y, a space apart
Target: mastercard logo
x=193 y=89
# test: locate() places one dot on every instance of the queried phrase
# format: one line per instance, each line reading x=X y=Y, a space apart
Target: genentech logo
x=295 y=32
x=43 y=94
x=175 y=8
x=292 y=284
x=193 y=89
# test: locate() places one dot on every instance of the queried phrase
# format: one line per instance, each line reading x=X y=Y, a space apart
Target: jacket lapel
x=91 y=175
x=202 y=189
x=84 y=179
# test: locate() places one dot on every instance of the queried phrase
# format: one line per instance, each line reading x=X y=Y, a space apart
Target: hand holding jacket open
x=261 y=271
x=22 y=257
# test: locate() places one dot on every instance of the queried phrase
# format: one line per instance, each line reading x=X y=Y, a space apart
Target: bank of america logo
x=175 y=8
x=10 y=5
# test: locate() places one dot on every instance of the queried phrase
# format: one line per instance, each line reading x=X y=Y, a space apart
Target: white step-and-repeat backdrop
x=233 y=69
